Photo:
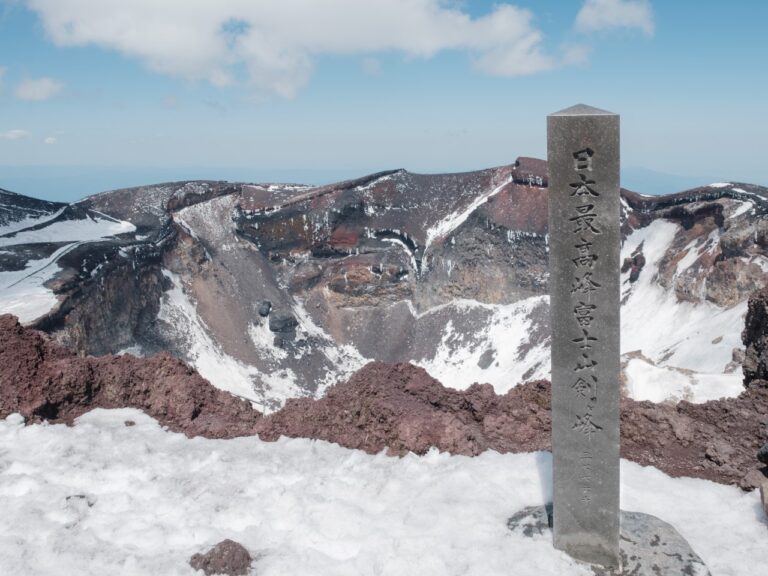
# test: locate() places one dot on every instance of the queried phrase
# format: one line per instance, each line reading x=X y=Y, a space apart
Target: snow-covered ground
x=87 y=229
x=105 y=498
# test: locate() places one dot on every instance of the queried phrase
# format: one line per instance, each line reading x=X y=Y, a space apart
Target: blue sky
x=96 y=94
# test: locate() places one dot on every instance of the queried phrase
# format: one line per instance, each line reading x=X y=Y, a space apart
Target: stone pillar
x=584 y=246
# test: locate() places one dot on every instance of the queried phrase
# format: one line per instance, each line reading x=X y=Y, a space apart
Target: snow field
x=646 y=381
x=698 y=337
x=506 y=332
x=85 y=230
x=103 y=498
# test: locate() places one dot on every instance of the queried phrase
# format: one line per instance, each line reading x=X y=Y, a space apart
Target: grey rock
x=227 y=557
x=283 y=322
x=762 y=454
x=648 y=546
x=487 y=358
x=764 y=496
x=265 y=307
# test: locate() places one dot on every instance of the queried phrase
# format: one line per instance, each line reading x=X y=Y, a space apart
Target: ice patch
x=720 y=185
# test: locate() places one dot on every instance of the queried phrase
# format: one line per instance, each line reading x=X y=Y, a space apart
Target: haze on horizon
x=98 y=94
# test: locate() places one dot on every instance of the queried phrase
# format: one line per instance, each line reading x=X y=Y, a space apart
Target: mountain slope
x=277 y=291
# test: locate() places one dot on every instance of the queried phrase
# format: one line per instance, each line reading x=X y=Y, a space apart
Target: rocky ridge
x=397 y=408
x=279 y=291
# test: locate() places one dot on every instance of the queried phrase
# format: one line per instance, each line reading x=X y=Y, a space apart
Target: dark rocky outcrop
x=755 y=339
x=227 y=557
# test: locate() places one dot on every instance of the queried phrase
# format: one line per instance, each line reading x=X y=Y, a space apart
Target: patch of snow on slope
x=343 y=359
x=503 y=345
x=743 y=208
x=28 y=220
x=699 y=337
x=646 y=381
x=89 y=229
x=453 y=221
x=104 y=498
x=22 y=292
x=720 y=185
x=222 y=370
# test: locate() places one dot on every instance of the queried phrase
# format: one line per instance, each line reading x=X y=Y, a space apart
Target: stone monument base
x=649 y=546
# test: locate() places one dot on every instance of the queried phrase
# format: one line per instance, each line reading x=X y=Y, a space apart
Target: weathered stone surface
x=755 y=339
x=764 y=496
x=227 y=557
x=264 y=308
x=649 y=546
x=585 y=238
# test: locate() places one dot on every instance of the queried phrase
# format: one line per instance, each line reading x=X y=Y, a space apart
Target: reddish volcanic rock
x=401 y=408
x=41 y=380
x=397 y=408
x=716 y=440
x=228 y=557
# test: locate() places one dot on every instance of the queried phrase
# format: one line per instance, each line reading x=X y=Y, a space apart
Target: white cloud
x=50 y=140
x=14 y=134
x=277 y=42
x=37 y=89
x=604 y=14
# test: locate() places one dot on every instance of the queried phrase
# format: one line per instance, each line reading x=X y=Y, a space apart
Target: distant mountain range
x=274 y=291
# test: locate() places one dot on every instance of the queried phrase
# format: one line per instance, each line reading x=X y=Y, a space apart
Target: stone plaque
x=584 y=246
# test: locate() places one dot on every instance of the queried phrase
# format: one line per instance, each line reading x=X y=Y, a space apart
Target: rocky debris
x=393 y=407
x=755 y=339
x=42 y=380
x=716 y=440
x=400 y=408
x=227 y=557
x=634 y=264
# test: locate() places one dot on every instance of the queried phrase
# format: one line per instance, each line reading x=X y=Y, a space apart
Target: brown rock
x=401 y=408
x=41 y=380
x=227 y=557
x=397 y=408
